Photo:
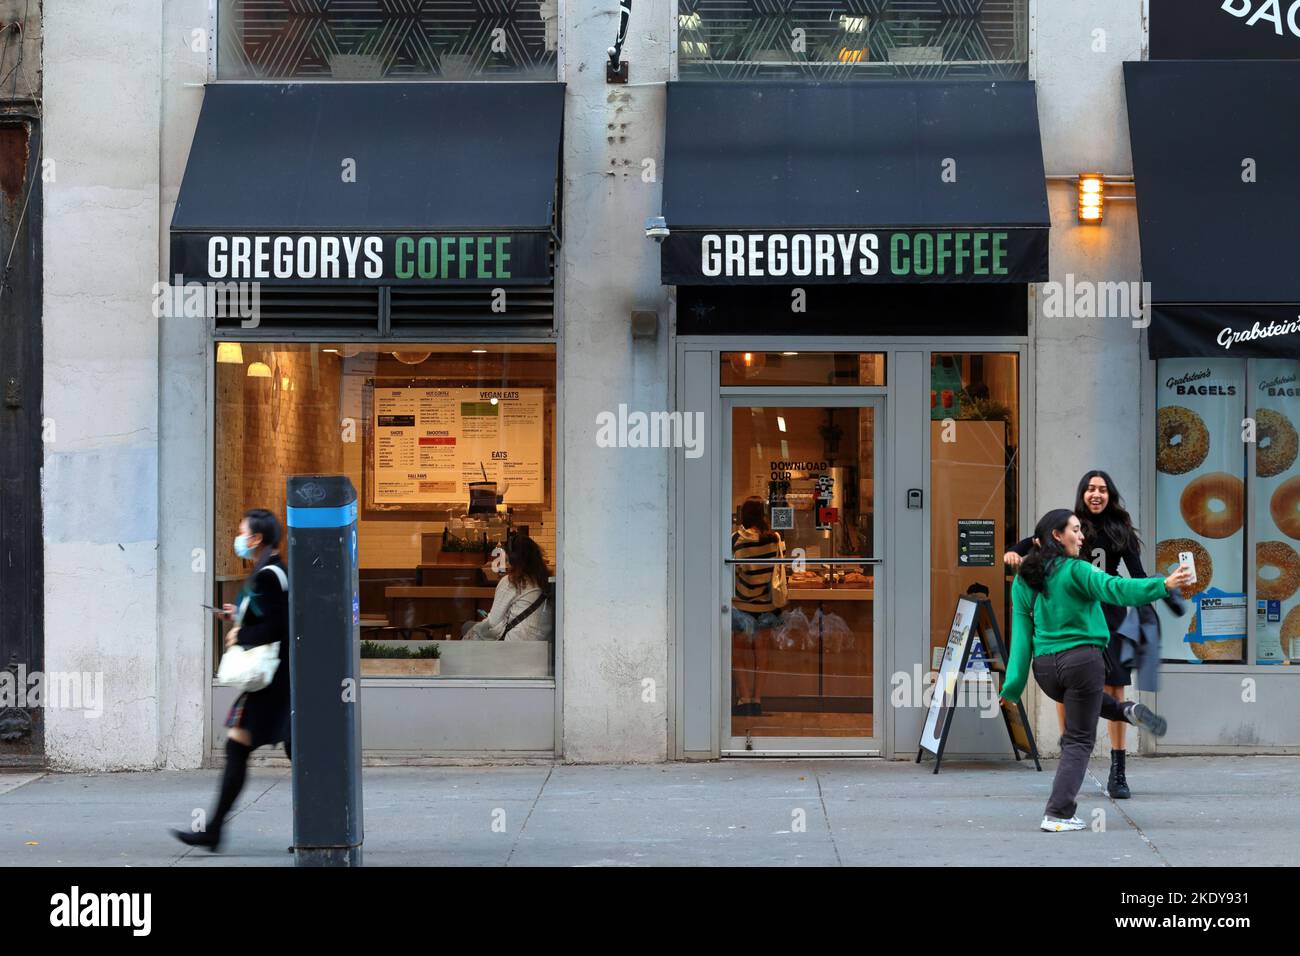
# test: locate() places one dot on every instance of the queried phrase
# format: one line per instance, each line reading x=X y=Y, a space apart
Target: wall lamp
x=1093 y=195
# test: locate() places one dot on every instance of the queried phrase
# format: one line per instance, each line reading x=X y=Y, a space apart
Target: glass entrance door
x=801 y=550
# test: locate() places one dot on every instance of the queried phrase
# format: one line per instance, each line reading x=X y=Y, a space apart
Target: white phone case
x=1186 y=560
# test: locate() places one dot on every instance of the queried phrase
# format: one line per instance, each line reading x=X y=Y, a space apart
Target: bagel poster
x=1200 y=503
x=1277 y=509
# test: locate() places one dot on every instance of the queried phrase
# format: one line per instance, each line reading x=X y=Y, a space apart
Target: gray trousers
x=1076 y=678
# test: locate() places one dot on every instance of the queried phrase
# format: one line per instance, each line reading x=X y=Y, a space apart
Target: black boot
x=1116 y=785
x=232 y=781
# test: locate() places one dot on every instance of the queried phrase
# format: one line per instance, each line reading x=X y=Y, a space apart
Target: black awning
x=371 y=183
x=1215 y=147
x=868 y=181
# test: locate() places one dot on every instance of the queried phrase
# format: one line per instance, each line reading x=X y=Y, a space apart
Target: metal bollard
x=325 y=670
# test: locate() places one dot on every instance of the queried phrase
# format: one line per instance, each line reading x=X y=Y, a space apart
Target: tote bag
x=250 y=669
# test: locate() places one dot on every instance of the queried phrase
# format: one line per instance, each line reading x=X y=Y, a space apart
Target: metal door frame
x=893 y=347
x=875 y=398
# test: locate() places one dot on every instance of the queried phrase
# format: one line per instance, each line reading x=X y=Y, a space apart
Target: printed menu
x=430 y=444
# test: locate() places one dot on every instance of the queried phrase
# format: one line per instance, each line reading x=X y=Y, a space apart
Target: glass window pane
x=1200 y=504
x=803 y=368
x=974 y=482
x=803 y=485
x=839 y=39
x=1276 y=509
x=451 y=450
x=376 y=40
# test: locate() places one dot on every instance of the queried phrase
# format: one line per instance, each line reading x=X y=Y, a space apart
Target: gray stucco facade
x=127 y=486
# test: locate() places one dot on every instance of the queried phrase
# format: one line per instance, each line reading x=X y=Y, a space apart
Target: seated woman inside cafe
x=520 y=609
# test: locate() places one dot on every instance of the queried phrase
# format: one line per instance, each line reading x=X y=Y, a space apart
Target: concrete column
x=615 y=551
x=100 y=481
x=1088 y=378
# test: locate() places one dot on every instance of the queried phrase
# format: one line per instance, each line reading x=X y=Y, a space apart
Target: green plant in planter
x=428 y=652
x=984 y=410
x=383 y=651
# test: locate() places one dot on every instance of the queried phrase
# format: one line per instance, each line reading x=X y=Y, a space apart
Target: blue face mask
x=242 y=549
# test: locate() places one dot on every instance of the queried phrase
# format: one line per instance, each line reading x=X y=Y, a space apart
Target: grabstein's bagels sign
x=1225 y=29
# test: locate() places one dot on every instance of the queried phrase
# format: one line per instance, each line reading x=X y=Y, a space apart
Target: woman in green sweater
x=1057 y=621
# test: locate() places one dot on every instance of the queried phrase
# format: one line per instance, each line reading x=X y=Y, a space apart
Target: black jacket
x=265 y=621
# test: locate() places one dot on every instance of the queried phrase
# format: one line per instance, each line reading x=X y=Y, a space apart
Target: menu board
x=975 y=542
x=1200 y=503
x=1277 y=510
x=430 y=444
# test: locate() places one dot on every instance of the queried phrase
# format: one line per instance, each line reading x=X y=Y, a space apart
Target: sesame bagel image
x=1184 y=440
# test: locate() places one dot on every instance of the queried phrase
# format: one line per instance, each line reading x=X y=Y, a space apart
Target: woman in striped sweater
x=753 y=615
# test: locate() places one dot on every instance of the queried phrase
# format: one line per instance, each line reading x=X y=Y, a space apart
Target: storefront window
x=974 y=482
x=375 y=40
x=451 y=450
x=1201 y=499
x=803 y=368
x=1276 y=510
x=835 y=39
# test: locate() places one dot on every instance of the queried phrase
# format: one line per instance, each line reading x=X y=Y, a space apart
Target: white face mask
x=242 y=547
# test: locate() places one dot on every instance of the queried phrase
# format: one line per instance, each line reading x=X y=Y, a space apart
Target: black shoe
x=1116 y=785
x=1144 y=716
x=203 y=838
x=756 y=709
x=739 y=710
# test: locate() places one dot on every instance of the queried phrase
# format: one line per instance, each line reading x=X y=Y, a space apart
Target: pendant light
x=230 y=353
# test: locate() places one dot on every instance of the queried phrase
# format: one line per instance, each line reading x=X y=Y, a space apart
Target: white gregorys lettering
x=710 y=255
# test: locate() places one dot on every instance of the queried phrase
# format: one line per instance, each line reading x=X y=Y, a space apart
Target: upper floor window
x=852 y=39
x=381 y=40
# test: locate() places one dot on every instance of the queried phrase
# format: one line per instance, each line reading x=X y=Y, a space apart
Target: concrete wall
x=184 y=497
x=1088 y=370
x=615 y=524
x=100 y=480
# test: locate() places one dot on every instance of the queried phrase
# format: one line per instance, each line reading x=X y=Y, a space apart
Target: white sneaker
x=1057 y=825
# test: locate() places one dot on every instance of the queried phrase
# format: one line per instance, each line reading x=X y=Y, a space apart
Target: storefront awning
x=866 y=182
x=1215 y=147
x=371 y=183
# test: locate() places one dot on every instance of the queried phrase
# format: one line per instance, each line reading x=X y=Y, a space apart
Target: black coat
x=266 y=620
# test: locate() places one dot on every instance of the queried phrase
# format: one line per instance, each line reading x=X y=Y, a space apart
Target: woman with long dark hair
x=1058 y=624
x=519 y=606
x=1109 y=539
x=261 y=616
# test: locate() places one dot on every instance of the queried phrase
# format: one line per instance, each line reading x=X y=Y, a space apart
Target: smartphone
x=1186 y=560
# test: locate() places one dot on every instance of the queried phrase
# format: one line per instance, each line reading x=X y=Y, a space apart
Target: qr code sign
x=783 y=519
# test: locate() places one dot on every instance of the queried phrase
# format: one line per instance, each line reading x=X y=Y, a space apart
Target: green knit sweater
x=1068 y=614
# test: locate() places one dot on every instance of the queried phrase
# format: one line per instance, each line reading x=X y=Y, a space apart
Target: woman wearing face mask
x=261 y=616
x=1058 y=622
x=1108 y=529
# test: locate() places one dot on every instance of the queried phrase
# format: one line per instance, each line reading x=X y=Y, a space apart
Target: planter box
x=400 y=667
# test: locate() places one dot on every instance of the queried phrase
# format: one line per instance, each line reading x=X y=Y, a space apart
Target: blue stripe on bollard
x=323 y=517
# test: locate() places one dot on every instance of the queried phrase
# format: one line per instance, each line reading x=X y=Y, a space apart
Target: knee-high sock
x=232 y=781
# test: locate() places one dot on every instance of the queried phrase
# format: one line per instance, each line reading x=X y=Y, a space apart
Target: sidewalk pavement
x=1186 y=811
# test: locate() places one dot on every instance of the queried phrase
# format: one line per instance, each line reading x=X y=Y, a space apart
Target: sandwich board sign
x=973 y=627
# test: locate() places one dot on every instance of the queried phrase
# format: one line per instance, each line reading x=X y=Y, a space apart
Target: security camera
x=656 y=228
